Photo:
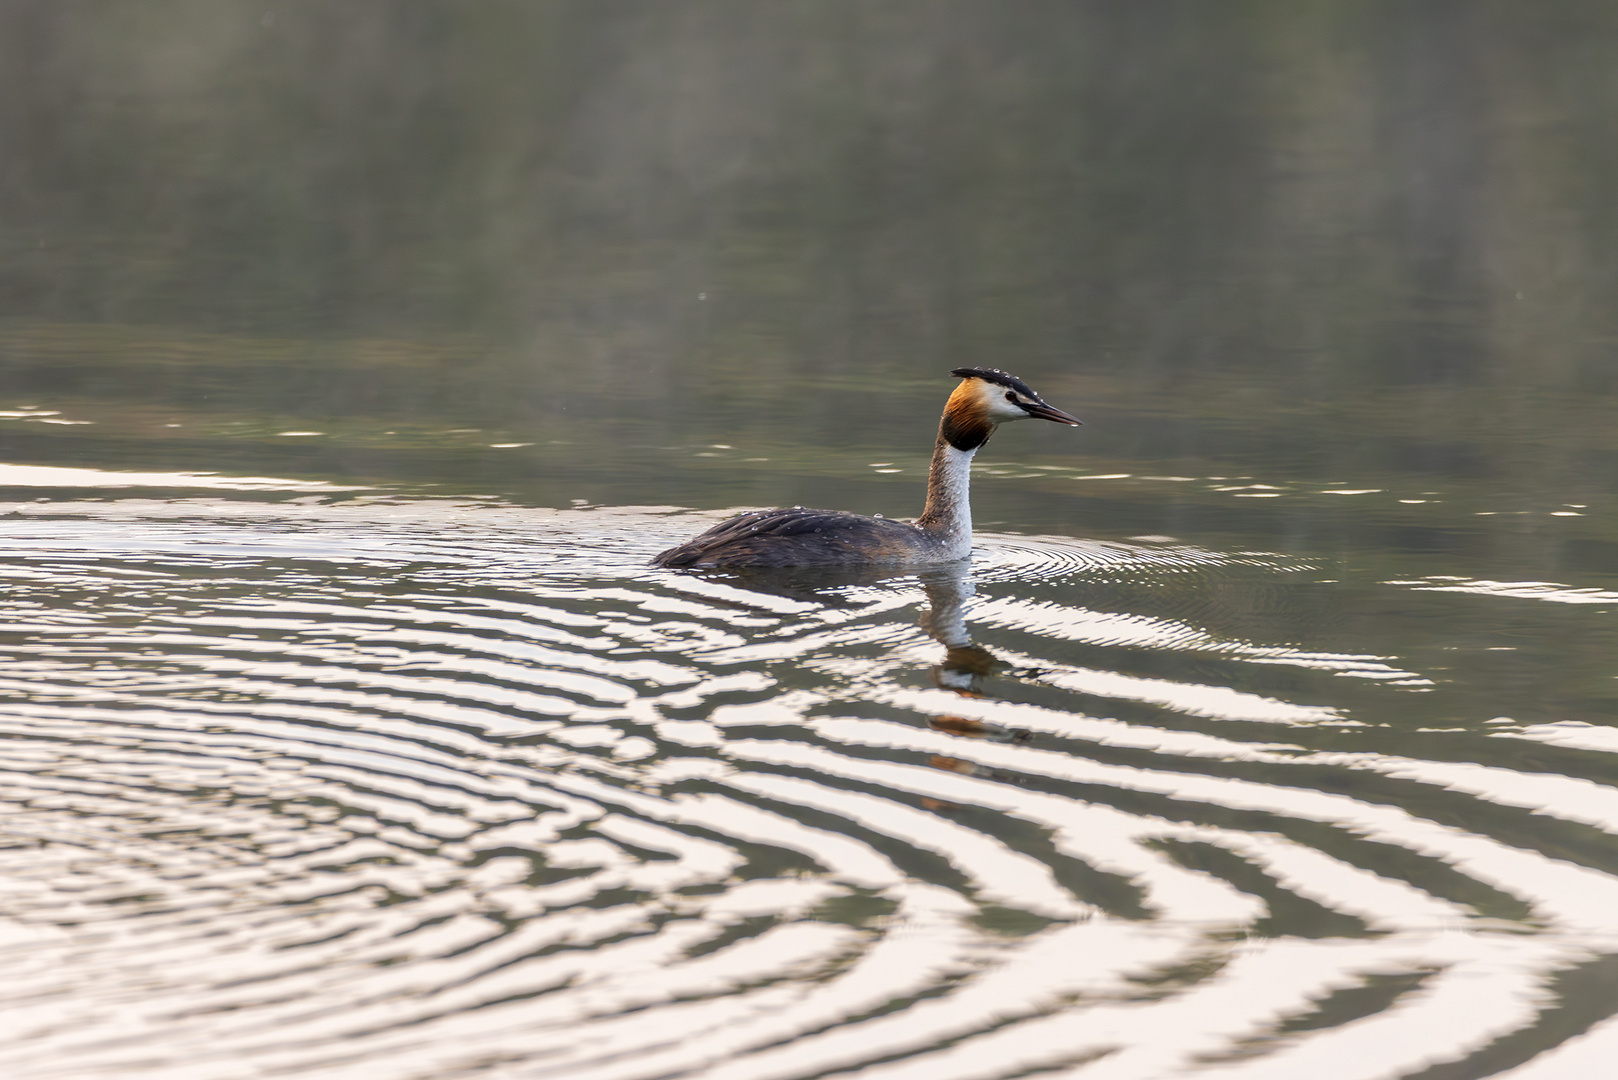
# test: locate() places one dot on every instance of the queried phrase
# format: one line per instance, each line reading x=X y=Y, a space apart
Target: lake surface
x=354 y=362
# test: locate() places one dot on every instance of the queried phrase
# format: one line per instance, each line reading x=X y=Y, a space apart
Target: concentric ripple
x=388 y=789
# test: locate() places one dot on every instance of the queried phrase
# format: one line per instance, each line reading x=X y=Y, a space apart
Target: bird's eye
x=1011 y=397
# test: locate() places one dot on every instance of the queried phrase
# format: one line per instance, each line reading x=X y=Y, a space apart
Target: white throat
x=949 y=501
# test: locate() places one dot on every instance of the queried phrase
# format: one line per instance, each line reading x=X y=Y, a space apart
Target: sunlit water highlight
x=431 y=789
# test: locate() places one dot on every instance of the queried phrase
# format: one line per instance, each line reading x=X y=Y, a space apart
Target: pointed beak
x=1042 y=411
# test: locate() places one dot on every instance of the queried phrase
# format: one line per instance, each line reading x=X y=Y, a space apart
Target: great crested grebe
x=985 y=399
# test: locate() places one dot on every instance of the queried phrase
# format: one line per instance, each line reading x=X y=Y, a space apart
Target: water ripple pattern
x=425 y=790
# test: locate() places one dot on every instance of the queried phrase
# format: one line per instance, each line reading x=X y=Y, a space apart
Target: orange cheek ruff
x=966 y=423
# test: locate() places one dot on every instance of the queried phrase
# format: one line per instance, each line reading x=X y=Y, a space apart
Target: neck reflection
x=966 y=666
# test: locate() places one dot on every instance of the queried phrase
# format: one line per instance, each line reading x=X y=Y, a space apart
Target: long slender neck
x=948 y=515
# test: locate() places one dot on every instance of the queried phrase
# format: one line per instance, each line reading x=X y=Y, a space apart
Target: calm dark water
x=355 y=359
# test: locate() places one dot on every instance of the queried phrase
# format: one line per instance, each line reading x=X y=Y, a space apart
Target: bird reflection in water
x=966 y=667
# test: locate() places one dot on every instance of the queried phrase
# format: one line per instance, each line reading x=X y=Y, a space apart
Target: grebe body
x=985 y=399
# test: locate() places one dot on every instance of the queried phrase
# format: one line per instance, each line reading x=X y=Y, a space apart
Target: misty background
x=1370 y=244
